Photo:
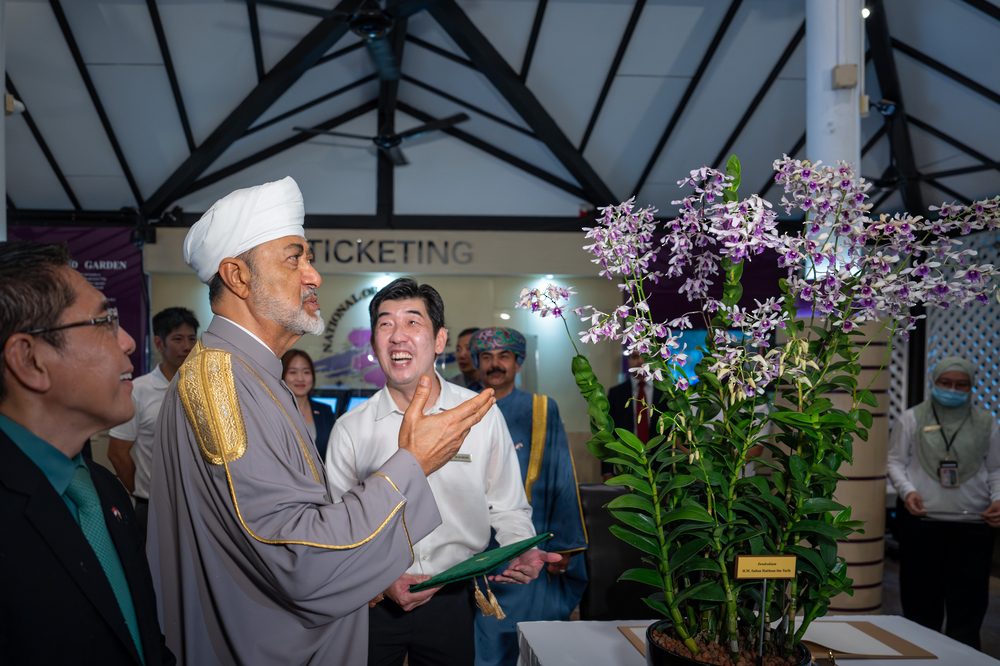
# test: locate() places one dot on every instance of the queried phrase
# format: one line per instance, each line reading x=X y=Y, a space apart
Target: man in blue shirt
x=550 y=485
x=76 y=586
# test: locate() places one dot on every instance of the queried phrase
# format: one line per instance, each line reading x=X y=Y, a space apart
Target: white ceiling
x=211 y=48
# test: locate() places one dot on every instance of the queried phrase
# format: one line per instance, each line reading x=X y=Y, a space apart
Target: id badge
x=948 y=473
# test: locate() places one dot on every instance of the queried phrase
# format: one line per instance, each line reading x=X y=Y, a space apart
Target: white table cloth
x=573 y=643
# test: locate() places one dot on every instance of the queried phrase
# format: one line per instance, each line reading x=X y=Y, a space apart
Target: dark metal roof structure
x=146 y=111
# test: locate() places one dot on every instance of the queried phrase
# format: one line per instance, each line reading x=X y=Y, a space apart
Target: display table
x=572 y=643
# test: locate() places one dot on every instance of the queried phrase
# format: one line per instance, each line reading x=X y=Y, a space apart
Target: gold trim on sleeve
x=539 y=425
x=208 y=393
x=207 y=390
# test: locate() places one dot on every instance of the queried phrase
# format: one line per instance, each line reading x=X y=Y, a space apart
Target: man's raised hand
x=434 y=439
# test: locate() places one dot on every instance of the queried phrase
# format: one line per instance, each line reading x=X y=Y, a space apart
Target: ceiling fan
x=388 y=143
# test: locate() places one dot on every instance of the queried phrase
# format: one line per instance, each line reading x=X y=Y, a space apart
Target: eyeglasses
x=110 y=320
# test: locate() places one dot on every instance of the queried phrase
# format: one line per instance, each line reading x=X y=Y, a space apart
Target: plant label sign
x=765 y=566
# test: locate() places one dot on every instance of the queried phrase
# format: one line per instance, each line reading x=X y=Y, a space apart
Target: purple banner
x=110 y=261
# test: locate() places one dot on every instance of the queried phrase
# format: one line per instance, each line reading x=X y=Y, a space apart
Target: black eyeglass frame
x=110 y=318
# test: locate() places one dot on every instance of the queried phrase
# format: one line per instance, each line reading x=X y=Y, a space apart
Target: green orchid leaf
x=808 y=528
x=631 y=502
x=639 y=541
x=695 y=513
x=629 y=439
x=649 y=577
x=868 y=398
x=657 y=605
x=630 y=481
x=625 y=451
x=820 y=505
x=699 y=564
x=706 y=590
x=637 y=521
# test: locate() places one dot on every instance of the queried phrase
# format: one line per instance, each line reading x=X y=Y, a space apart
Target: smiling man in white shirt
x=478 y=490
x=130 y=444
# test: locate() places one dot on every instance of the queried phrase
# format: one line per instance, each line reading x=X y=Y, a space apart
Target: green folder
x=481 y=564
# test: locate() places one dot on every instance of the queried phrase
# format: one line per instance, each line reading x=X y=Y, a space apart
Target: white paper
x=847 y=639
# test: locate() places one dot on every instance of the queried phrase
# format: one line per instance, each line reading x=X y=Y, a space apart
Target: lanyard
x=948 y=442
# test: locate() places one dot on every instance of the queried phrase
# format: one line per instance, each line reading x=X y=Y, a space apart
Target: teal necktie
x=90 y=515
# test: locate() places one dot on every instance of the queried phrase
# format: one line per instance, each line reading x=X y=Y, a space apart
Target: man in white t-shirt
x=130 y=445
x=479 y=490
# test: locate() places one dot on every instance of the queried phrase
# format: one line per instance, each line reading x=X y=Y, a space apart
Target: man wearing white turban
x=251 y=560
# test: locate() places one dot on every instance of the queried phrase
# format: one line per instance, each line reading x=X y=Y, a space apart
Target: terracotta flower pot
x=657 y=655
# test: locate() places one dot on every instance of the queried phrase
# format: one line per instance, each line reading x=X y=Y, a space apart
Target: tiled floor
x=990 y=634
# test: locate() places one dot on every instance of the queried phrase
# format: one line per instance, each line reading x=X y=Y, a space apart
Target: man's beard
x=292 y=319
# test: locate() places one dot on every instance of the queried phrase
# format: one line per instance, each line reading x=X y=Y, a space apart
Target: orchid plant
x=763 y=383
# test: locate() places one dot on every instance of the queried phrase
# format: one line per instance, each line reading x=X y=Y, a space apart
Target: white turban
x=243 y=220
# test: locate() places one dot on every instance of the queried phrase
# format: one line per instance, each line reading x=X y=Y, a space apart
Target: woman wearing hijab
x=299 y=373
x=944 y=460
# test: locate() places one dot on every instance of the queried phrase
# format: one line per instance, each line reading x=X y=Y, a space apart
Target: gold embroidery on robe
x=208 y=393
x=539 y=425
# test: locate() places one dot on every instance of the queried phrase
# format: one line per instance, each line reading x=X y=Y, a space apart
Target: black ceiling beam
x=281 y=146
x=333 y=55
x=117 y=218
x=880 y=46
x=311 y=103
x=536 y=28
x=942 y=68
x=388 y=96
x=882 y=199
x=71 y=218
x=633 y=20
x=706 y=59
x=902 y=158
x=985 y=7
x=296 y=7
x=300 y=58
x=468 y=105
x=503 y=155
x=873 y=139
x=947 y=190
x=947 y=138
x=95 y=99
x=444 y=53
x=258 y=50
x=488 y=61
x=961 y=171
x=775 y=72
x=168 y=64
x=762 y=192
x=44 y=147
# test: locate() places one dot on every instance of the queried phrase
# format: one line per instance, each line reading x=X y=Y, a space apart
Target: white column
x=834 y=37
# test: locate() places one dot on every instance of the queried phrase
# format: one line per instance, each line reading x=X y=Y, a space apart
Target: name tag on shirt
x=462 y=457
x=932 y=428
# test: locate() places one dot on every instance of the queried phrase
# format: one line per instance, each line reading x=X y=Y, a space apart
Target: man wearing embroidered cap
x=550 y=483
x=944 y=460
x=252 y=561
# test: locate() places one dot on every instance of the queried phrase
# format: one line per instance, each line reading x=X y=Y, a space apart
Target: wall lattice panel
x=971 y=332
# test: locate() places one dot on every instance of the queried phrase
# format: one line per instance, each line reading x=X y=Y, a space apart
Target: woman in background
x=299 y=373
x=944 y=460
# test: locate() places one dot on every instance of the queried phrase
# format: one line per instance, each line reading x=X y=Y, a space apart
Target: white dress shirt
x=908 y=475
x=480 y=489
x=147 y=396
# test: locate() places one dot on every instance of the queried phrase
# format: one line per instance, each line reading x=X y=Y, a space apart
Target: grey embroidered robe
x=252 y=561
